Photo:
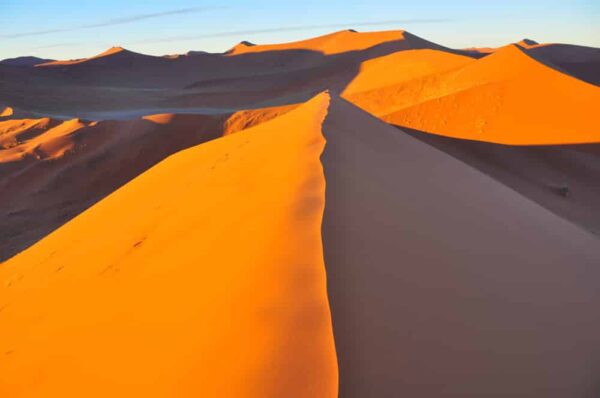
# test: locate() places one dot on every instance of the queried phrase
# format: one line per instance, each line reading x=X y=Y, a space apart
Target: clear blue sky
x=66 y=29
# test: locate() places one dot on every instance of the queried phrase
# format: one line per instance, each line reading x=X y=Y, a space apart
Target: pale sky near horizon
x=65 y=29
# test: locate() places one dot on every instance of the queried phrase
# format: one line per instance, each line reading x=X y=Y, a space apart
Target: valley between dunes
x=353 y=215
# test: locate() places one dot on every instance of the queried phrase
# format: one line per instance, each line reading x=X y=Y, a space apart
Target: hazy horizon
x=80 y=29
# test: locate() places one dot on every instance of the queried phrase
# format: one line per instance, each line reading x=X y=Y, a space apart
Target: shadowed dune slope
x=202 y=277
x=50 y=171
x=562 y=178
x=578 y=61
x=443 y=282
x=507 y=97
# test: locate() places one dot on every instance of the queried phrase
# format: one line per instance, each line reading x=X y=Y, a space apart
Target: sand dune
x=7 y=111
x=216 y=225
x=443 y=282
x=401 y=67
x=223 y=306
x=578 y=61
x=24 y=61
x=426 y=298
x=507 y=97
x=50 y=171
x=339 y=42
x=112 y=56
x=265 y=75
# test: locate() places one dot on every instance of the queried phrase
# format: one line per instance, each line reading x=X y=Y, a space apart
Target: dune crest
x=507 y=97
x=333 y=43
x=221 y=244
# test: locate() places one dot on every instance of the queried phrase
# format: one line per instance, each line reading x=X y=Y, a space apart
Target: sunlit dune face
x=334 y=43
x=50 y=144
x=202 y=277
x=507 y=97
x=403 y=66
x=8 y=111
x=161 y=118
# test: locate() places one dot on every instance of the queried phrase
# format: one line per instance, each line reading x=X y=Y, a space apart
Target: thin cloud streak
x=294 y=29
x=113 y=22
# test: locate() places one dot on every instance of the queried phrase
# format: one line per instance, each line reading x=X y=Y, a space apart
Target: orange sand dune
x=403 y=66
x=50 y=172
x=445 y=283
x=202 y=277
x=15 y=131
x=7 y=111
x=335 y=43
x=52 y=144
x=507 y=97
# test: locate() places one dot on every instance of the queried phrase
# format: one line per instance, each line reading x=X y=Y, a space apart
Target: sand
x=239 y=233
x=506 y=98
x=202 y=277
x=445 y=283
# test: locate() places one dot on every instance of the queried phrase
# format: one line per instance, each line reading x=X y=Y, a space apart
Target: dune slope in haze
x=507 y=97
x=202 y=277
x=443 y=282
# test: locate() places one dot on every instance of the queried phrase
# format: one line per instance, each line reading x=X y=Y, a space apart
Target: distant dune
x=25 y=61
x=507 y=97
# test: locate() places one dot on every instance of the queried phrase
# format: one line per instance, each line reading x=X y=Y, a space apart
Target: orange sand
x=202 y=277
x=403 y=66
x=507 y=98
x=7 y=111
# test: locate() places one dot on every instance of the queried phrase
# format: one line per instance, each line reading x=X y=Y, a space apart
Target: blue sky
x=65 y=29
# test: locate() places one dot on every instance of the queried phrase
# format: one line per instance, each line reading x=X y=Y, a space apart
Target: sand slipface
x=202 y=277
x=445 y=283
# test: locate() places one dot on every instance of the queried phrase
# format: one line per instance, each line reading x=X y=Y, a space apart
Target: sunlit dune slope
x=202 y=277
x=7 y=111
x=403 y=66
x=51 y=170
x=445 y=283
x=50 y=145
x=506 y=97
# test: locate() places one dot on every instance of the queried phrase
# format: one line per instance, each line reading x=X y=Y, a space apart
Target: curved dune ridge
x=113 y=53
x=506 y=97
x=333 y=43
x=212 y=284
